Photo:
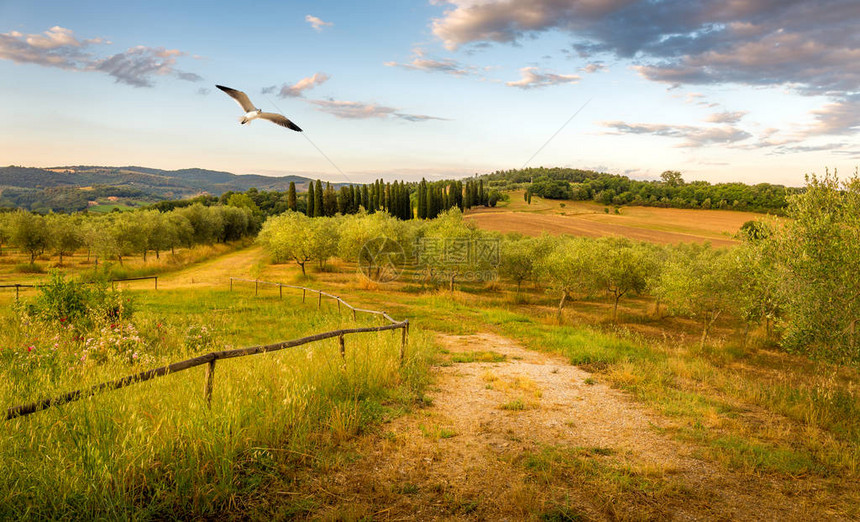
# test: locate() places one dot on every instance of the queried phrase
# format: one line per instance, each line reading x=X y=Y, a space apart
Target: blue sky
x=753 y=91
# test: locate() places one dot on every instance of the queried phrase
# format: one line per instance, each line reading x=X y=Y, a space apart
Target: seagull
x=252 y=113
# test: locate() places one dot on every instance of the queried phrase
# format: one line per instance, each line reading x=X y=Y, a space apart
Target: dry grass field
x=589 y=219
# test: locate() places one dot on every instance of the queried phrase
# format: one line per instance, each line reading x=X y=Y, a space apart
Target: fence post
x=156 y=282
x=231 y=284
x=256 y=287
x=303 y=295
x=16 y=291
x=281 y=290
x=342 y=347
x=209 y=381
x=353 y=314
x=319 y=303
x=338 y=305
x=403 y=342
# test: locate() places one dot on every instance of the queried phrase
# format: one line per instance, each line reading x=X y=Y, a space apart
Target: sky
x=723 y=90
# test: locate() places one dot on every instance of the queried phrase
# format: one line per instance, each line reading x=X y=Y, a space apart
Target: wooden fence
x=209 y=359
x=18 y=286
x=305 y=291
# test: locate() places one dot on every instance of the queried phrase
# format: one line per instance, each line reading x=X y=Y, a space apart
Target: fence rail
x=210 y=358
x=281 y=286
x=18 y=286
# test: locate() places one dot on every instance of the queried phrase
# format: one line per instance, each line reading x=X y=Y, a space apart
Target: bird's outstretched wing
x=240 y=97
x=280 y=120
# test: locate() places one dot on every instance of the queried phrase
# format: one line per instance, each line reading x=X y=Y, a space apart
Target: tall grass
x=724 y=398
x=155 y=450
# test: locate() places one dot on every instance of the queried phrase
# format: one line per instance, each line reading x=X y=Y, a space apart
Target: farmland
x=589 y=219
x=618 y=402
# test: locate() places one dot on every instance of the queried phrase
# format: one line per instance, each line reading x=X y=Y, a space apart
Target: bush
x=64 y=300
x=27 y=268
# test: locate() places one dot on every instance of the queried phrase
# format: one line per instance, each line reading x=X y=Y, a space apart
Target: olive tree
x=620 y=267
x=698 y=281
x=819 y=273
x=453 y=247
x=180 y=232
x=517 y=261
x=65 y=234
x=325 y=234
x=756 y=279
x=29 y=233
x=568 y=269
x=289 y=237
x=5 y=232
x=356 y=230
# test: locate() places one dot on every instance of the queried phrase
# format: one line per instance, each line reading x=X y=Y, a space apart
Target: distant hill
x=71 y=188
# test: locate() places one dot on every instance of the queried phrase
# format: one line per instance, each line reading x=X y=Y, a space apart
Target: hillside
x=71 y=188
x=590 y=219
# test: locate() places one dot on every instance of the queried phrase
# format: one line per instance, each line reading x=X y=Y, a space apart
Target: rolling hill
x=70 y=188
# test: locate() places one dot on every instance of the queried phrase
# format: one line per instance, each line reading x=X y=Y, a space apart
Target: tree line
x=401 y=199
x=797 y=279
x=119 y=235
x=669 y=191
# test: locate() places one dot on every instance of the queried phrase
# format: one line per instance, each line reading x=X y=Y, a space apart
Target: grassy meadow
x=591 y=219
x=155 y=450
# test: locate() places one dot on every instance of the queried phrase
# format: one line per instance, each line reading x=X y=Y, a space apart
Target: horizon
x=382 y=176
x=722 y=93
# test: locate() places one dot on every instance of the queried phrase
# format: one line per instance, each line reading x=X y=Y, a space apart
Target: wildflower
x=30 y=348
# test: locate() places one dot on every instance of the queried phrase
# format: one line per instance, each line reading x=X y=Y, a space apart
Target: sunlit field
x=718 y=347
x=590 y=219
x=156 y=449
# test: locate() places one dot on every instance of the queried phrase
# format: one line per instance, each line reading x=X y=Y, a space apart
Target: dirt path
x=532 y=437
x=215 y=272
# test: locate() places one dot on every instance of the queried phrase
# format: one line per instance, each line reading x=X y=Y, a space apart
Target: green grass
x=518 y=404
x=622 y=491
x=155 y=450
x=481 y=356
x=436 y=432
x=672 y=379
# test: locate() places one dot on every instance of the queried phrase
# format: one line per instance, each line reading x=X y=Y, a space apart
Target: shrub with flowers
x=62 y=300
x=114 y=341
x=71 y=324
x=199 y=338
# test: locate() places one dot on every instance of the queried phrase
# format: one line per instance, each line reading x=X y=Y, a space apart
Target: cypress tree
x=422 y=199
x=342 y=200
x=365 y=198
x=481 y=196
x=291 y=196
x=319 y=211
x=329 y=200
x=311 y=200
x=427 y=211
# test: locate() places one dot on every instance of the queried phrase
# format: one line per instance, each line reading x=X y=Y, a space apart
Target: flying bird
x=252 y=113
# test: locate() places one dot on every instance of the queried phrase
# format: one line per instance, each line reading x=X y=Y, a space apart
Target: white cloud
x=297 y=89
x=593 y=67
x=357 y=110
x=446 y=65
x=693 y=136
x=317 y=23
x=726 y=117
x=58 y=47
x=810 y=48
x=533 y=78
